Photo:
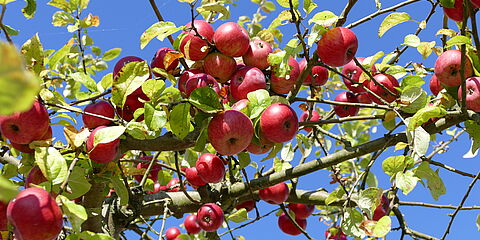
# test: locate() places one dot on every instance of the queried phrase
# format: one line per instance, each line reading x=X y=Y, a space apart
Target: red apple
x=275 y=194
x=157 y=187
x=172 y=233
x=334 y=233
x=319 y=73
x=191 y=224
x=263 y=146
x=193 y=178
x=193 y=46
x=288 y=227
x=248 y=205
x=210 y=217
x=364 y=97
x=387 y=80
x=435 y=86
x=220 y=66
x=306 y=116
x=241 y=105
x=132 y=103
x=35 y=176
x=355 y=73
x=182 y=81
x=345 y=111
x=25 y=148
x=102 y=152
x=210 y=168
x=473 y=94
x=475 y=3
x=173 y=185
x=230 y=132
x=337 y=46
x=163 y=60
x=122 y=62
x=3 y=217
x=302 y=211
x=35 y=215
x=455 y=13
x=144 y=165
x=283 y=85
x=447 y=68
x=382 y=208
x=25 y=127
x=102 y=108
x=201 y=80
x=279 y=123
x=246 y=80
x=257 y=54
x=232 y=39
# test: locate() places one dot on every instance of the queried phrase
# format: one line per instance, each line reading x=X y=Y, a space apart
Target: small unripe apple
x=345 y=111
x=257 y=54
x=246 y=80
x=172 y=233
x=473 y=94
x=210 y=168
x=248 y=205
x=102 y=152
x=337 y=46
x=355 y=73
x=387 y=80
x=283 y=85
x=230 y=132
x=448 y=65
x=455 y=13
x=232 y=39
x=191 y=224
x=35 y=176
x=302 y=211
x=122 y=62
x=315 y=116
x=275 y=194
x=210 y=217
x=319 y=73
x=102 y=108
x=288 y=227
x=219 y=66
x=193 y=46
x=279 y=123
x=162 y=60
x=193 y=178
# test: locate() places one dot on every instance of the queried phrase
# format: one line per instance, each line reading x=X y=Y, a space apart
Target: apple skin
x=232 y=39
x=337 y=46
x=364 y=97
x=345 y=111
x=275 y=194
x=133 y=103
x=279 y=123
x=387 y=80
x=191 y=224
x=320 y=74
x=475 y=3
x=314 y=117
x=210 y=168
x=193 y=178
x=194 y=47
x=153 y=171
x=354 y=72
x=447 y=68
x=283 y=85
x=381 y=209
x=248 y=205
x=219 y=66
x=122 y=62
x=473 y=94
x=103 y=152
x=158 y=61
x=35 y=176
x=334 y=233
x=435 y=86
x=263 y=147
x=210 y=217
x=288 y=227
x=201 y=80
x=455 y=13
x=241 y=105
x=257 y=54
x=302 y=211
x=103 y=108
x=230 y=132
x=3 y=217
x=246 y=80
x=172 y=233
x=25 y=148
x=182 y=81
x=35 y=215
x=171 y=185
x=25 y=127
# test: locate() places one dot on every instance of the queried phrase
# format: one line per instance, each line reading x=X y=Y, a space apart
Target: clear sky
x=122 y=23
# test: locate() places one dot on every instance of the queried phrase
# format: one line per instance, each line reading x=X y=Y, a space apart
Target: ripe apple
x=288 y=227
x=364 y=97
x=302 y=211
x=132 y=103
x=245 y=80
x=447 y=68
x=144 y=165
x=319 y=73
x=25 y=127
x=210 y=168
x=257 y=54
x=337 y=46
x=241 y=105
x=157 y=187
x=263 y=146
x=455 y=13
x=334 y=233
x=283 y=85
x=35 y=176
x=387 y=80
x=163 y=61
x=172 y=233
x=279 y=123
x=35 y=215
x=191 y=224
x=435 y=86
x=182 y=81
x=354 y=72
x=102 y=152
x=103 y=108
x=210 y=217
x=232 y=39
x=193 y=178
x=230 y=132
x=220 y=66
x=25 y=148
x=275 y=194
x=473 y=94
x=475 y=3
x=193 y=46
x=382 y=209
x=3 y=216
x=248 y=205
x=345 y=111
x=173 y=185
x=306 y=116
x=122 y=62
x=201 y=80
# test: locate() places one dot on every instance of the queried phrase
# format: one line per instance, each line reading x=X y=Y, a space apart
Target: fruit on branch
x=248 y=205
x=3 y=216
x=455 y=13
x=193 y=178
x=230 y=132
x=241 y=105
x=319 y=73
x=288 y=227
x=25 y=127
x=334 y=233
x=219 y=66
x=382 y=208
x=364 y=97
x=102 y=108
x=283 y=85
x=262 y=146
x=257 y=54
x=345 y=111
x=315 y=116
x=210 y=168
x=144 y=165
x=275 y=194
x=172 y=233
x=302 y=211
x=337 y=46
x=122 y=62
x=164 y=59
x=191 y=224
x=132 y=103
x=201 y=80
x=157 y=187
x=35 y=215
x=355 y=73
x=102 y=152
x=246 y=80
x=279 y=123
x=435 y=86
x=448 y=65
x=210 y=217
x=173 y=185
x=25 y=148
x=186 y=75
x=475 y=3
x=35 y=176
x=389 y=82
x=232 y=39
x=193 y=46
x=473 y=94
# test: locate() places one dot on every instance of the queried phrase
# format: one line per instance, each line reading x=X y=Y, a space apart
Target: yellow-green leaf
x=392 y=20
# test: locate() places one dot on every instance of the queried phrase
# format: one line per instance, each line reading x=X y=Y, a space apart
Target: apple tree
x=96 y=144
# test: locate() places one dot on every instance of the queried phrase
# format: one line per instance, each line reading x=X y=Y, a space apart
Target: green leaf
x=78 y=183
x=412 y=81
x=280 y=165
x=337 y=194
x=350 y=225
x=32 y=51
x=411 y=40
x=382 y=228
x=11 y=31
x=473 y=130
x=426 y=48
x=86 y=235
x=51 y=162
x=239 y=216
x=368 y=200
x=419 y=139
x=276 y=149
x=59 y=55
x=180 y=120
x=108 y=134
x=309 y=6
x=139 y=130
x=154 y=118
x=8 y=190
x=478 y=222
x=61 y=4
x=415 y=98
x=160 y=30
x=132 y=76
x=29 y=10
x=434 y=182
x=287 y=152
x=281 y=19
x=111 y=54
x=120 y=189
x=458 y=41
x=286 y=4
x=324 y=19
x=4 y=2
x=268 y=7
x=61 y=19
x=406 y=181
x=392 y=20
x=243 y=159
x=395 y=164
x=425 y=114
x=86 y=80
x=447 y=3
x=215 y=7
x=76 y=213
x=259 y=100
x=105 y=83
x=206 y=99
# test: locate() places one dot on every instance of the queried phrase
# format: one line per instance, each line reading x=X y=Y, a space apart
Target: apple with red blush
x=191 y=174
x=309 y=116
x=275 y=194
x=317 y=77
x=232 y=39
x=345 y=111
x=163 y=60
x=230 y=132
x=447 y=68
x=257 y=54
x=210 y=217
x=355 y=80
x=102 y=108
x=196 y=47
x=302 y=211
x=337 y=46
x=283 y=85
x=201 y=80
x=288 y=227
x=389 y=82
x=473 y=94
x=210 y=168
x=246 y=80
x=172 y=233
x=102 y=152
x=191 y=224
x=219 y=66
x=279 y=123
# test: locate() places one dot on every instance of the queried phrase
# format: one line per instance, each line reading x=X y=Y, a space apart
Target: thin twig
x=75 y=110
x=343 y=16
x=253 y=221
x=429 y=205
x=91 y=98
x=70 y=170
x=362 y=105
x=4 y=29
x=164 y=220
x=341 y=120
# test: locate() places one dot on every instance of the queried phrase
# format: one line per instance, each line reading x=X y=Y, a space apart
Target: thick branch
x=166 y=142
